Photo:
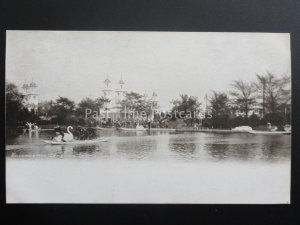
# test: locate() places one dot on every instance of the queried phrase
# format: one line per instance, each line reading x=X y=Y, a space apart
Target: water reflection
x=154 y=146
x=137 y=148
x=60 y=153
x=184 y=147
x=84 y=150
x=247 y=146
x=276 y=147
x=236 y=151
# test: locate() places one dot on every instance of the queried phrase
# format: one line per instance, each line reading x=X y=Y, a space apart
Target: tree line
x=64 y=111
x=267 y=99
x=268 y=94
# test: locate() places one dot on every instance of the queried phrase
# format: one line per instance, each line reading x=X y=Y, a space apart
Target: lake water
x=151 y=167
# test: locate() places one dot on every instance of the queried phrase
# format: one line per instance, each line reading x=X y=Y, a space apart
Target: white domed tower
x=120 y=91
x=120 y=96
x=30 y=94
x=114 y=96
x=107 y=96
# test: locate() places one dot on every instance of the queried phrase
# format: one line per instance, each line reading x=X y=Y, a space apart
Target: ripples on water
x=153 y=146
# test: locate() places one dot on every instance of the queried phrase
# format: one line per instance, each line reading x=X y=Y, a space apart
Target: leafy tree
x=46 y=109
x=188 y=105
x=207 y=122
x=64 y=109
x=133 y=101
x=243 y=95
x=219 y=104
x=277 y=119
x=261 y=85
x=254 y=121
x=237 y=121
x=137 y=103
x=86 y=105
x=276 y=94
x=16 y=112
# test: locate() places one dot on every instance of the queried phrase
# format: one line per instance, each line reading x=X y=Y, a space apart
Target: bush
x=277 y=119
x=237 y=121
x=207 y=123
x=221 y=121
x=253 y=121
x=263 y=122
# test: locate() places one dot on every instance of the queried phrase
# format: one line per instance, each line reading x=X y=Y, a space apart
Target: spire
x=121 y=82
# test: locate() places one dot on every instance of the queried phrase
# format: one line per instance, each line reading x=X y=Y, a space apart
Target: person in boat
x=77 y=133
x=59 y=134
x=91 y=133
x=62 y=136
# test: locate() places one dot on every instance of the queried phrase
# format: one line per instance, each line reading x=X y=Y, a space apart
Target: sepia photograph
x=147 y=117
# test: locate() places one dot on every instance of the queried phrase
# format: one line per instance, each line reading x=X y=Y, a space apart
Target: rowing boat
x=77 y=142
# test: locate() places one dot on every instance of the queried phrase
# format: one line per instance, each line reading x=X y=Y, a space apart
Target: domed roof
x=121 y=82
x=32 y=84
x=107 y=82
x=25 y=86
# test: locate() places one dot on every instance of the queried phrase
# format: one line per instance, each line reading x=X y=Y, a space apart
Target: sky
x=74 y=64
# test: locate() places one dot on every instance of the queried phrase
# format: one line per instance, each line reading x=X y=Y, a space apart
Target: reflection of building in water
x=30 y=94
x=113 y=97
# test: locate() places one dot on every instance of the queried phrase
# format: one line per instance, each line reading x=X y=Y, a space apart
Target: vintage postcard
x=148 y=117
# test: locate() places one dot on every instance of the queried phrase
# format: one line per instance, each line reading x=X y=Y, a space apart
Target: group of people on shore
x=144 y=123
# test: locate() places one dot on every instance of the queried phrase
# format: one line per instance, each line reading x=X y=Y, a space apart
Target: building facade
x=30 y=96
x=113 y=94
